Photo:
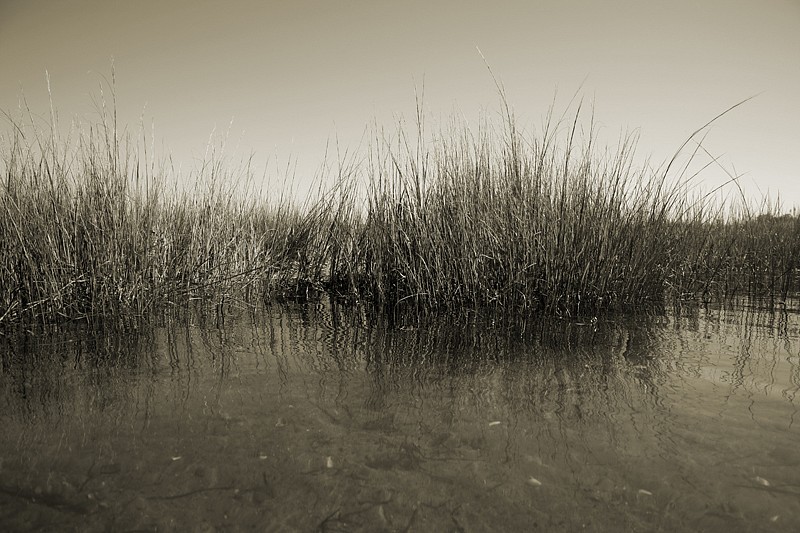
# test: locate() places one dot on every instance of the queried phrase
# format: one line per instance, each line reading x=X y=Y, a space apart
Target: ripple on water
x=297 y=421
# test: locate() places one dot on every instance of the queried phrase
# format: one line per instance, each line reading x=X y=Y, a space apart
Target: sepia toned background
x=283 y=78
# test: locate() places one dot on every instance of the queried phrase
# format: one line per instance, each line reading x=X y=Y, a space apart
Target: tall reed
x=543 y=223
x=91 y=228
x=469 y=218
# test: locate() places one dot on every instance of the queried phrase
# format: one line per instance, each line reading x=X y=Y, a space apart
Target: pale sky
x=292 y=74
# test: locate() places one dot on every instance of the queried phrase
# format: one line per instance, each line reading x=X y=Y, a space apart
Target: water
x=316 y=418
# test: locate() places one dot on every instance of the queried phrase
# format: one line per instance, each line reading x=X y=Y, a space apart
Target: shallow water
x=315 y=418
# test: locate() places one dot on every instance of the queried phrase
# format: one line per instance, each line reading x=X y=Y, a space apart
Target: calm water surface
x=315 y=418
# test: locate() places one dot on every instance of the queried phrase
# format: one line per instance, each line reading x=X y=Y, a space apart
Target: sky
x=284 y=79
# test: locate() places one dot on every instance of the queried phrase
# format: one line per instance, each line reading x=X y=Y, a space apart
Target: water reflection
x=677 y=421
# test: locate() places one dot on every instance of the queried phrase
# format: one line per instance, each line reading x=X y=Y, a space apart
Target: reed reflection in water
x=321 y=417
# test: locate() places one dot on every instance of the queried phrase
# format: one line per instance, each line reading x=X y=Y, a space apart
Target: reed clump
x=466 y=219
x=90 y=227
x=542 y=223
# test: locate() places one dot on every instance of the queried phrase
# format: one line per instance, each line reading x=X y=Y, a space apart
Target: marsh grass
x=90 y=227
x=543 y=223
x=464 y=219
